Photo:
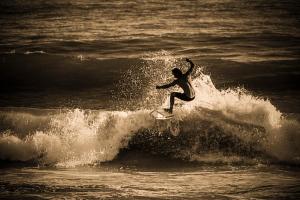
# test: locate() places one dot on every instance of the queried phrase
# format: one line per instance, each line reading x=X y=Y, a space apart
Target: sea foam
x=78 y=137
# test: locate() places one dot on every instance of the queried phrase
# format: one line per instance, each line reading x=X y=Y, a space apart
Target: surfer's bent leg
x=180 y=96
x=172 y=99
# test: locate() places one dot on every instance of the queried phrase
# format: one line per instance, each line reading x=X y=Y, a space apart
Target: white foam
x=78 y=137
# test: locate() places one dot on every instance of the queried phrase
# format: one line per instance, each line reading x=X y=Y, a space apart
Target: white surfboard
x=160 y=114
x=166 y=121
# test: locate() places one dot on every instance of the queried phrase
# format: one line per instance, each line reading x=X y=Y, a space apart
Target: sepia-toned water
x=77 y=84
x=174 y=183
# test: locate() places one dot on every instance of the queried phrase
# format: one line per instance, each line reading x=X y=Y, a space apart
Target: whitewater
x=219 y=126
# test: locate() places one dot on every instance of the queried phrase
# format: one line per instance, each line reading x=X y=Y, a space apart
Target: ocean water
x=78 y=83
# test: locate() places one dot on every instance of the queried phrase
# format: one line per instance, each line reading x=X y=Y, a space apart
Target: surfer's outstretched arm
x=166 y=86
x=191 y=68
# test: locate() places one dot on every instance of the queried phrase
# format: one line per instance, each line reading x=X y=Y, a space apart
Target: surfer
x=183 y=81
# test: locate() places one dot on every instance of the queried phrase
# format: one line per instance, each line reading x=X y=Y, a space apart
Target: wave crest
x=229 y=122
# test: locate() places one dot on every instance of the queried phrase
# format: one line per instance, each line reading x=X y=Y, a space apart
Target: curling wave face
x=226 y=125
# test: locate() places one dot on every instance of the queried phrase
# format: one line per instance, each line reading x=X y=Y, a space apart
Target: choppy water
x=176 y=183
x=233 y=30
x=77 y=85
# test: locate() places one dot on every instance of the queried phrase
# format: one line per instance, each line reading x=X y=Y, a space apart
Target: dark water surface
x=177 y=183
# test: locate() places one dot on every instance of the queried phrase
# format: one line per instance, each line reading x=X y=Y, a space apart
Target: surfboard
x=160 y=114
x=165 y=121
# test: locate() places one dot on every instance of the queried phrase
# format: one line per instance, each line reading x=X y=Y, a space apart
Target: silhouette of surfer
x=183 y=81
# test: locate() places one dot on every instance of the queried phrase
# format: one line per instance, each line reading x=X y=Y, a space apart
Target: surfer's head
x=177 y=72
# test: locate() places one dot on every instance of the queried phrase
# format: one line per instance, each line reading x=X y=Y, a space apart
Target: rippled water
x=235 y=30
x=174 y=183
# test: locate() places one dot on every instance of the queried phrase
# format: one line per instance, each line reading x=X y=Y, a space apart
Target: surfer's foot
x=168 y=110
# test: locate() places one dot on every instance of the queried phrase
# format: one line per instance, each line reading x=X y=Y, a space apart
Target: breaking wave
x=228 y=125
